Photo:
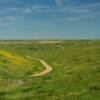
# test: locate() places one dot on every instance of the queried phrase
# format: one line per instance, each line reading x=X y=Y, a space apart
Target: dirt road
x=47 y=69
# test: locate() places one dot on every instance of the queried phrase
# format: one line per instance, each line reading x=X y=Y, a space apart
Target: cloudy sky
x=49 y=19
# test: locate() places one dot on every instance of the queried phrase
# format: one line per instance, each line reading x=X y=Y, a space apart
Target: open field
x=74 y=72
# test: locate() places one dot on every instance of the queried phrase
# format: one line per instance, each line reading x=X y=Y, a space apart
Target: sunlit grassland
x=75 y=75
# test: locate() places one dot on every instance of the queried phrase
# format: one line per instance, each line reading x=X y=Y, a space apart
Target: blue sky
x=49 y=19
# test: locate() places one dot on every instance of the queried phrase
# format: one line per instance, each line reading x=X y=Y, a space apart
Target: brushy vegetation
x=76 y=74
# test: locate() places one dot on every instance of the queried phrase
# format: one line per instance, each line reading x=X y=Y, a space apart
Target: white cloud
x=8 y=20
x=82 y=8
x=91 y=5
x=59 y=2
x=76 y=18
x=43 y=8
x=27 y=9
x=75 y=12
x=81 y=12
x=82 y=17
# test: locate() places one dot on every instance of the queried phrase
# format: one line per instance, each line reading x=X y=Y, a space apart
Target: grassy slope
x=76 y=74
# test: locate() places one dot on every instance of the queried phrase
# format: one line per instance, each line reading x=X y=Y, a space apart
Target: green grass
x=76 y=74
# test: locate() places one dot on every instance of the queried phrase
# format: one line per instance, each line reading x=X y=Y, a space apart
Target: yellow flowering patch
x=12 y=58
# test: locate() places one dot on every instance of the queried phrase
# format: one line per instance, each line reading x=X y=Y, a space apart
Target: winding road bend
x=47 y=69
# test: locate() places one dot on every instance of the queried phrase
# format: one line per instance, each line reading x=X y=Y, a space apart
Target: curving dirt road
x=47 y=69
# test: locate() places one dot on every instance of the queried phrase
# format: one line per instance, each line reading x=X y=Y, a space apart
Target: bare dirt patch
x=48 y=42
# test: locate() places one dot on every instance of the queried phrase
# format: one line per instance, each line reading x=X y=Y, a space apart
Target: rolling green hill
x=75 y=75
